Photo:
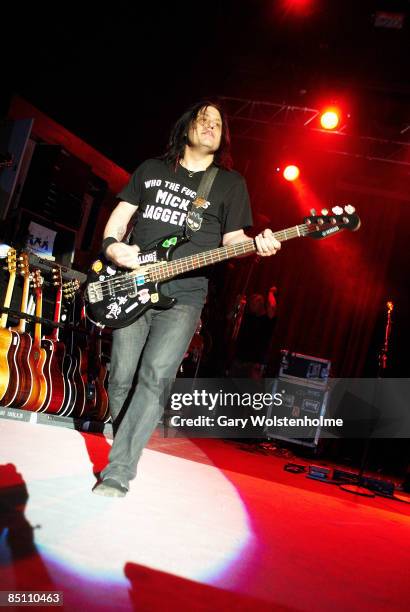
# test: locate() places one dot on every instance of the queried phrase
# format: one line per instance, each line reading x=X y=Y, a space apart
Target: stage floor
x=207 y=525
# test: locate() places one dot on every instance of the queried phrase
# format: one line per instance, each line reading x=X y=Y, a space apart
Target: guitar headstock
x=70 y=288
x=24 y=265
x=37 y=282
x=57 y=278
x=12 y=260
x=328 y=223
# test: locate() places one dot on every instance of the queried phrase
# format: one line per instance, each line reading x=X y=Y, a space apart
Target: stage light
x=330 y=119
x=291 y=173
x=298 y=7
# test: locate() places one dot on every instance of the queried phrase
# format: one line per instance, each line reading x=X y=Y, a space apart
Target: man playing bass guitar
x=162 y=194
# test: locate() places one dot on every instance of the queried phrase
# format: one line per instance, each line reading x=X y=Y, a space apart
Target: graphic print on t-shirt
x=171 y=202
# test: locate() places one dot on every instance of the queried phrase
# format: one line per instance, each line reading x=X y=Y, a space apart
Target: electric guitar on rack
x=8 y=338
x=75 y=398
x=85 y=393
x=116 y=297
x=96 y=394
x=55 y=350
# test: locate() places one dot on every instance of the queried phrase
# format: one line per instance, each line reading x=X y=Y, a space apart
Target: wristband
x=108 y=242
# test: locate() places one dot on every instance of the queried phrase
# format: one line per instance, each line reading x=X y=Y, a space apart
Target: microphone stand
x=385 y=348
x=358 y=488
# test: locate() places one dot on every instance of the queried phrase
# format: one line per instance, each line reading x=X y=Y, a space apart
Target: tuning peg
x=324 y=211
x=350 y=209
x=313 y=212
x=337 y=210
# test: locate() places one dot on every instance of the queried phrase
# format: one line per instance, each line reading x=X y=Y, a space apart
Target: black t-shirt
x=164 y=196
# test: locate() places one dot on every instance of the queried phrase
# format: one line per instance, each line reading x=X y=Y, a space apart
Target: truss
x=257 y=120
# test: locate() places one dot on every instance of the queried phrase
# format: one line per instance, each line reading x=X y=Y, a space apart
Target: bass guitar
x=116 y=297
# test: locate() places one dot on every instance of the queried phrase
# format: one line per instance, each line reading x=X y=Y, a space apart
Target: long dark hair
x=178 y=137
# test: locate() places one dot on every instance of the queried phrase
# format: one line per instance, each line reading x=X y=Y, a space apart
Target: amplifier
x=55 y=185
x=300 y=398
x=302 y=383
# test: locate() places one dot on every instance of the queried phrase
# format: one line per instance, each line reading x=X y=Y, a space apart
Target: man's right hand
x=123 y=255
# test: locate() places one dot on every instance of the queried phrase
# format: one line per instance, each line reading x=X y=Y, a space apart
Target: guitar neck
x=7 y=299
x=57 y=315
x=21 y=327
x=170 y=269
x=39 y=311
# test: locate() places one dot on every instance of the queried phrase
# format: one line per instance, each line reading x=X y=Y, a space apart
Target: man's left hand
x=266 y=244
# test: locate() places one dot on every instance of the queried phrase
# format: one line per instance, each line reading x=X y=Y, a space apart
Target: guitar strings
x=127 y=281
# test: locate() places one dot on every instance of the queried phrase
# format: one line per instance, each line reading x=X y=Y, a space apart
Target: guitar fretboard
x=164 y=271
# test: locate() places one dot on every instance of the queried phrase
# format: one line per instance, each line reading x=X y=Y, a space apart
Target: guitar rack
x=24 y=315
x=44 y=373
x=47 y=265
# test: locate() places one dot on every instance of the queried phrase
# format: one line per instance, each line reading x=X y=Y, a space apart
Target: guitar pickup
x=133 y=291
x=94 y=293
x=138 y=280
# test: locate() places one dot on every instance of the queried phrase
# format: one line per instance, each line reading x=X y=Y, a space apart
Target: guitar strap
x=193 y=220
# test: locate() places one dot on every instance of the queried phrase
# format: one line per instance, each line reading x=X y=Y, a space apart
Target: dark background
x=118 y=75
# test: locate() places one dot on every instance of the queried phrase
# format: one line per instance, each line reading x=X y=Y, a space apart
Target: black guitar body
x=116 y=297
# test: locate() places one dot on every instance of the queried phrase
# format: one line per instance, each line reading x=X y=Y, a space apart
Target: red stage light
x=291 y=173
x=329 y=120
x=297 y=6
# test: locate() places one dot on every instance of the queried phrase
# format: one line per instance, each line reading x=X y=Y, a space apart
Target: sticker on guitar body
x=144 y=258
x=114 y=308
x=143 y=297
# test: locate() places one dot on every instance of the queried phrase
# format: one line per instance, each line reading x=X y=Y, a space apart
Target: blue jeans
x=158 y=340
